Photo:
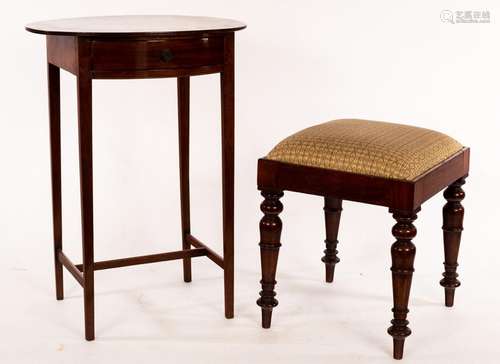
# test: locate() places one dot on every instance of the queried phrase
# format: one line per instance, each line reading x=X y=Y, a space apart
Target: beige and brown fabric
x=367 y=147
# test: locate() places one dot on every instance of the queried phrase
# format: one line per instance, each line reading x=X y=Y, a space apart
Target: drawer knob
x=166 y=55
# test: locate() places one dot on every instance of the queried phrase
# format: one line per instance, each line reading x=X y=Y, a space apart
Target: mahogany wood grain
x=136 y=58
x=136 y=25
x=55 y=165
x=439 y=177
x=212 y=255
x=156 y=54
x=270 y=232
x=227 y=112
x=403 y=255
x=183 y=119
x=276 y=175
x=73 y=269
x=84 y=98
x=403 y=198
x=62 y=52
x=156 y=73
x=128 y=47
x=453 y=216
x=393 y=193
x=152 y=258
x=333 y=210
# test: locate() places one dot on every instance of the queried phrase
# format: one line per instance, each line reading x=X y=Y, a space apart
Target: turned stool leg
x=453 y=216
x=270 y=231
x=333 y=209
x=403 y=255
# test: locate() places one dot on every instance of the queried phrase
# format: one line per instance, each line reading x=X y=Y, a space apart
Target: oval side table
x=131 y=47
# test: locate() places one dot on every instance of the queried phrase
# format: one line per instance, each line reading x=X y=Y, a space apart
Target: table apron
x=116 y=58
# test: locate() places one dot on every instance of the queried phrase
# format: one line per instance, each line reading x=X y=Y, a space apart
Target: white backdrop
x=298 y=63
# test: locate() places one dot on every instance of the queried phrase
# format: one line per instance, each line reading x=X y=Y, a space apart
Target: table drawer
x=156 y=54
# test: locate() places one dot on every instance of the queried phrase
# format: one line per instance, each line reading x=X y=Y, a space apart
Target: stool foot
x=333 y=209
x=449 y=296
x=266 y=317
x=398 y=348
x=330 y=272
x=453 y=216
x=270 y=231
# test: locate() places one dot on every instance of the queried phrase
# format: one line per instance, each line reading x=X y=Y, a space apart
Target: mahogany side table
x=133 y=47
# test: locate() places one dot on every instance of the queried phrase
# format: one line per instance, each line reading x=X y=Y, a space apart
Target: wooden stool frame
x=403 y=198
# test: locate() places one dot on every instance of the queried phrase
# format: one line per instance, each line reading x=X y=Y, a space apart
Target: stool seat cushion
x=367 y=147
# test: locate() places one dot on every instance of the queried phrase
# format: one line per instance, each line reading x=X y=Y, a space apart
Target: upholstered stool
x=379 y=163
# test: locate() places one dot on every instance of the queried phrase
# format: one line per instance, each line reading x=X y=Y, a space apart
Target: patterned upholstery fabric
x=367 y=147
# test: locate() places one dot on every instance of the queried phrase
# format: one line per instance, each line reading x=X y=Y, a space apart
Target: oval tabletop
x=134 y=25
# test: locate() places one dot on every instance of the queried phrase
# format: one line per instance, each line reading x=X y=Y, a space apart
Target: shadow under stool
x=379 y=163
